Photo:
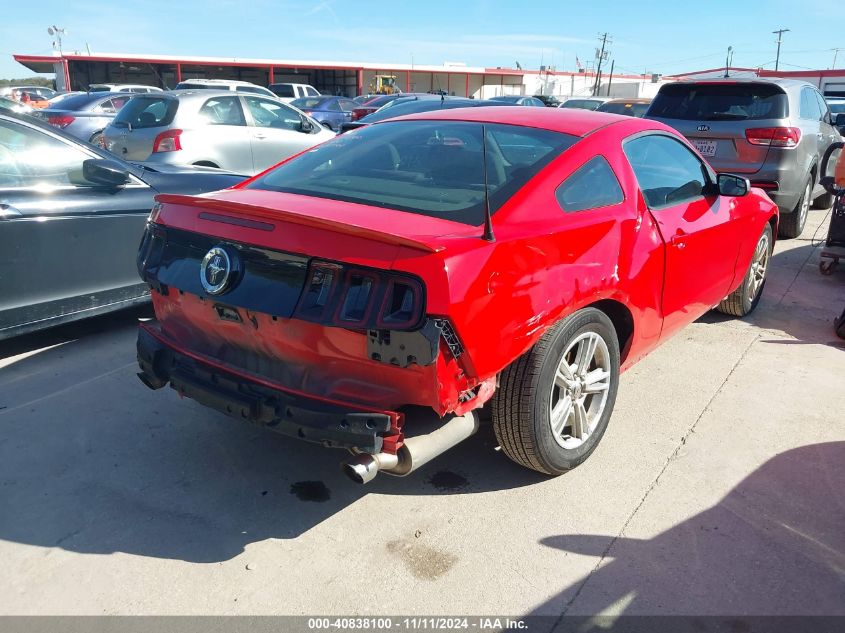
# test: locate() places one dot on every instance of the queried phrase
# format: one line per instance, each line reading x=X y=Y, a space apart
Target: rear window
x=308 y=103
x=720 y=102
x=282 y=90
x=628 y=109
x=189 y=86
x=582 y=104
x=433 y=168
x=76 y=101
x=147 y=111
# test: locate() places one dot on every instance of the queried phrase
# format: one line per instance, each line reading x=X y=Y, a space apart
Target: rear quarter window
x=591 y=186
x=720 y=102
x=147 y=112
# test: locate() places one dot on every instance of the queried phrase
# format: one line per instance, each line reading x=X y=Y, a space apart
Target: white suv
x=289 y=92
x=223 y=84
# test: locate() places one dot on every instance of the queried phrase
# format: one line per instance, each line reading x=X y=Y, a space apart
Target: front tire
x=744 y=299
x=792 y=224
x=554 y=402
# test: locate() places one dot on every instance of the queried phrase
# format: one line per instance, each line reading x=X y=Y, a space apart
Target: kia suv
x=771 y=131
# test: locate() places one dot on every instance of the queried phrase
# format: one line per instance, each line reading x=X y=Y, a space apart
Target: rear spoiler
x=298 y=218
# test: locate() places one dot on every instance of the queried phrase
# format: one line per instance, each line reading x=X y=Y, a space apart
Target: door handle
x=259 y=136
x=7 y=212
x=678 y=240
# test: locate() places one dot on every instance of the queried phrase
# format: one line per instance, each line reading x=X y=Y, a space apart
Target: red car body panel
x=655 y=270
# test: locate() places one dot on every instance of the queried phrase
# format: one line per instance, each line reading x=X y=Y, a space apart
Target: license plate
x=705 y=148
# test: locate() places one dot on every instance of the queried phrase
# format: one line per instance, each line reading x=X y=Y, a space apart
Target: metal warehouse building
x=76 y=71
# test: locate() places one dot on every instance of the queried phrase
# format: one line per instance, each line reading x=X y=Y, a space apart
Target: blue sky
x=658 y=36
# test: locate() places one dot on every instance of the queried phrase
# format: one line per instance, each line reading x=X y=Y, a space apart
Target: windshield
x=720 y=102
x=78 y=101
x=147 y=111
x=433 y=168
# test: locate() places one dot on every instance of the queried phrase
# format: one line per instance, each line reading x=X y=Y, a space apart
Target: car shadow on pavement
x=797 y=300
x=92 y=461
x=773 y=546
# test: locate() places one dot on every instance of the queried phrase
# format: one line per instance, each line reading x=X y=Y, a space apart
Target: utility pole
x=610 y=81
x=601 y=55
x=835 y=54
x=728 y=61
x=779 y=33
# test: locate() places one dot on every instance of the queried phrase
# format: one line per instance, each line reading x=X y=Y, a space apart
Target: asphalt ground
x=719 y=488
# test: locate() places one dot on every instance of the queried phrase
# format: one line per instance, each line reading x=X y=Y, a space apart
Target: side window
x=266 y=113
x=333 y=106
x=591 y=186
x=106 y=106
x=809 y=106
x=667 y=171
x=825 y=110
x=347 y=105
x=222 y=111
x=30 y=158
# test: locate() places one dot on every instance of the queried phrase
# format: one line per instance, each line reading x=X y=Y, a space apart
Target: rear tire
x=95 y=139
x=554 y=402
x=744 y=299
x=792 y=224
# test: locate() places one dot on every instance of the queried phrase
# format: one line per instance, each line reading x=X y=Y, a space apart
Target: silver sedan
x=241 y=133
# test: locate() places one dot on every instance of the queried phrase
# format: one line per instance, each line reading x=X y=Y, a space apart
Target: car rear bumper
x=250 y=398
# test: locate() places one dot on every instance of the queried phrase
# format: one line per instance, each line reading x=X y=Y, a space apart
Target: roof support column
x=271 y=76
x=360 y=74
x=407 y=81
x=178 y=72
x=466 y=86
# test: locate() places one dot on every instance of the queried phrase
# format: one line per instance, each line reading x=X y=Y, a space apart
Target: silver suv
x=243 y=133
x=772 y=131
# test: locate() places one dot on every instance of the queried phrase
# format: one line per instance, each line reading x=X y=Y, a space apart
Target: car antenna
x=488 y=217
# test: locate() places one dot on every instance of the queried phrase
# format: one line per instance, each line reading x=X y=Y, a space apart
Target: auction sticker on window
x=705 y=148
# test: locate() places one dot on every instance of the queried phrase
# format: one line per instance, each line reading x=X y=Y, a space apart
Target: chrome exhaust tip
x=361 y=469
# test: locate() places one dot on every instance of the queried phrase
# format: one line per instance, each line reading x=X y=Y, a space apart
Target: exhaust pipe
x=415 y=452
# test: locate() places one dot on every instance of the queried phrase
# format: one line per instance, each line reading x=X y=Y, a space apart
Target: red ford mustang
x=373 y=293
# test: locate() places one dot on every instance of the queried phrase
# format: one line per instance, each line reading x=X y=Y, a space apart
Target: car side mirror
x=105 y=172
x=306 y=126
x=730 y=185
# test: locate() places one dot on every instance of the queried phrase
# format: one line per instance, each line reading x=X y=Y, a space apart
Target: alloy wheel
x=580 y=389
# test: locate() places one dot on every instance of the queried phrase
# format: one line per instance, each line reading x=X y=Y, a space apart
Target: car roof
x=636 y=100
x=778 y=81
x=567 y=121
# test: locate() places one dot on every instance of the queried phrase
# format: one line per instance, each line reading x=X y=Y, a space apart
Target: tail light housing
x=357 y=113
x=773 y=136
x=60 y=120
x=167 y=141
x=360 y=298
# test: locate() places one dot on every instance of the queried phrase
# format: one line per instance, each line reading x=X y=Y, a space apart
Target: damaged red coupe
x=374 y=292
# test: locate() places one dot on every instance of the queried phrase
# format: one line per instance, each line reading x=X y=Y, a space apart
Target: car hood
x=186 y=179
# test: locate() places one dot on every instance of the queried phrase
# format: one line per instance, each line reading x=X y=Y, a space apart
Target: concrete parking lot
x=718 y=489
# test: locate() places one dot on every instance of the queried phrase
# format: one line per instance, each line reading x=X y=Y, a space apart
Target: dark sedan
x=71 y=219
x=413 y=106
x=85 y=115
x=329 y=111
x=368 y=107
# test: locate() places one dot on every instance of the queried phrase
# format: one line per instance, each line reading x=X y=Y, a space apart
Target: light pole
x=728 y=61
x=835 y=54
x=58 y=32
x=779 y=33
